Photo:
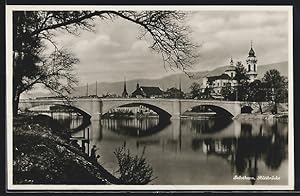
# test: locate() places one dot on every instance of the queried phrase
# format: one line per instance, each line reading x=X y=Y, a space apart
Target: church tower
x=230 y=71
x=251 y=65
x=125 y=94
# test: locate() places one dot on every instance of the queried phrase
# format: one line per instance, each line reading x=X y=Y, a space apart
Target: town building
x=133 y=109
x=173 y=93
x=147 y=92
x=216 y=83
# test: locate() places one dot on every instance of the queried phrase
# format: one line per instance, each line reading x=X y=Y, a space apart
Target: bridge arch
x=219 y=109
x=246 y=109
x=161 y=112
x=76 y=109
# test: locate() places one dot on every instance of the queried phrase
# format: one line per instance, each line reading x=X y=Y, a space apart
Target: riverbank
x=43 y=154
x=265 y=116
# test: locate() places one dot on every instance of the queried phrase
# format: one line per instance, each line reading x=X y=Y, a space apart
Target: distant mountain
x=166 y=82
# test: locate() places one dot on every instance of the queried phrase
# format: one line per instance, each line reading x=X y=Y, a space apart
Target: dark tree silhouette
x=242 y=81
x=32 y=29
x=227 y=92
x=278 y=85
x=257 y=93
x=195 y=89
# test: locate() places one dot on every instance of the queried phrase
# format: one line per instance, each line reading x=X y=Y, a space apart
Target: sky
x=113 y=51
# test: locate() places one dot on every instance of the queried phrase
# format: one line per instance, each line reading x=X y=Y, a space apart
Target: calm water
x=194 y=152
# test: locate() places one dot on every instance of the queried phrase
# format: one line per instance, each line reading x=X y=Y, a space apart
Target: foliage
x=206 y=93
x=241 y=71
x=228 y=93
x=278 y=85
x=34 y=30
x=133 y=169
x=257 y=93
x=195 y=89
x=242 y=81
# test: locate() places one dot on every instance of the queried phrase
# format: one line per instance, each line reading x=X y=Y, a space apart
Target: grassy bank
x=43 y=154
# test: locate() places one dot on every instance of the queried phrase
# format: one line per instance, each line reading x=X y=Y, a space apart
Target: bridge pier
x=96 y=117
x=96 y=109
x=175 y=116
x=176 y=110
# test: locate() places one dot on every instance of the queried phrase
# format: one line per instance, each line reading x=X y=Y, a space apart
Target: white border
x=9 y=75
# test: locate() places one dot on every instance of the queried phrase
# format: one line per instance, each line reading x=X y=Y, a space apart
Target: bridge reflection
x=247 y=148
x=244 y=152
x=136 y=127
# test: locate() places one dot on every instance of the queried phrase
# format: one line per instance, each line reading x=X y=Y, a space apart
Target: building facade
x=216 y=83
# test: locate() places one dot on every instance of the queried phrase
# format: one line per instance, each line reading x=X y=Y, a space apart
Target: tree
x=32 y=29
x=227 y=92
x=195 y=89
x=242 y=81
x=133 y=169
x=278 y=87
x=207 y=92
x=257 y=93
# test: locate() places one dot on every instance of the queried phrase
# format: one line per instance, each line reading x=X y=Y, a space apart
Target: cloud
x=114 y=50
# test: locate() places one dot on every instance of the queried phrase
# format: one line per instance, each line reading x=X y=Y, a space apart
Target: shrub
x=133 y=169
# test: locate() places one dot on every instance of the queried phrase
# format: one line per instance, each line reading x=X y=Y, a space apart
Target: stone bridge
x=173 y=108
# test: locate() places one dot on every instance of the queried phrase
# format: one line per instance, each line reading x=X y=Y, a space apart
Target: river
x=193 y=152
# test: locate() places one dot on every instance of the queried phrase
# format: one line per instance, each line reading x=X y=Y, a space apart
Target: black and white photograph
x=149 y=97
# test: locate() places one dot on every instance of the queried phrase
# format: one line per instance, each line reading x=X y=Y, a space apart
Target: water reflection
x=137 y=127
x=206 y=151
x=72 y=121
x=244 y=152
x=210 y=125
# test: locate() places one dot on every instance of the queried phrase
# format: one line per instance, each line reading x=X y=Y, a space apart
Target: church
x=216 y=83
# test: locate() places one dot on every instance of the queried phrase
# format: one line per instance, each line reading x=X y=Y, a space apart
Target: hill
x=166 y=82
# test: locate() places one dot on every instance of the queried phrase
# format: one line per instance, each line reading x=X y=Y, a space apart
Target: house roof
x=151 y=90
x=172 y=90
x=230 y=68
x=223 y=76
x=148 y=91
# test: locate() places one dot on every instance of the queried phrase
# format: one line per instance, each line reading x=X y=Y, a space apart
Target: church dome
x=230 y=68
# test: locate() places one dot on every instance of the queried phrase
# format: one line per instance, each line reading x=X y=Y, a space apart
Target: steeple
x=251 y=64
x=251 y=51
x=180 y=83
x=96 y=89
x=231 y=61
x=124 y=94
x=87 y=89
x=231 y=69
